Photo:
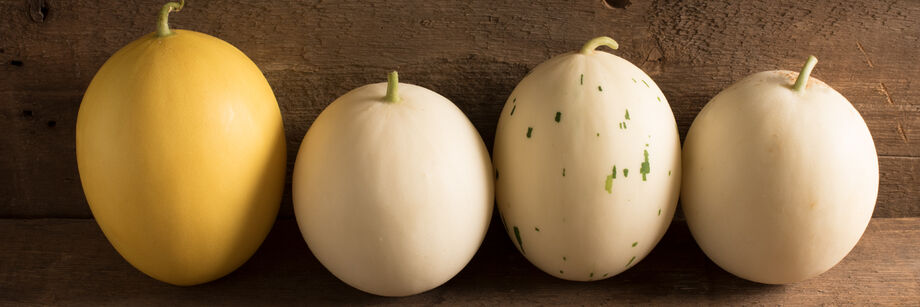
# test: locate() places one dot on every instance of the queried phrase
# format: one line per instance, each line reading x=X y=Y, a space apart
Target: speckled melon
x=587 y=164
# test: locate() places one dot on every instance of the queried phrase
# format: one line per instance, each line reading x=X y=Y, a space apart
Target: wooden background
x=472 y=52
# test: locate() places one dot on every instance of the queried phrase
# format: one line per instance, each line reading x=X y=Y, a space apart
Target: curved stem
x=392 y=88
x=163 y=19
x=799 y=85
x=597 y=42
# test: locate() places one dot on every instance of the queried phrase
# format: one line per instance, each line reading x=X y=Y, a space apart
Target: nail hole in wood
x=16 y=63
x=38 y=10
x=44 y=10
x=620 y=4
x=27 y=113
x=52 y=123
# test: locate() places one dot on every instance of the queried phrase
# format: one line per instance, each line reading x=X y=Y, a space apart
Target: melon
x=181 y=152
x=393 y=188
x=587 y=164
x=781 y=177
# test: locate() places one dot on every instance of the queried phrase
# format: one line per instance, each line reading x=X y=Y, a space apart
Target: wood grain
x=45 y=181
x=473 y=52
x=69 y=262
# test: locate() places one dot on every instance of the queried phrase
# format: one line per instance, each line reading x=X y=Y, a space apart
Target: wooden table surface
x=69 y=262
x=472 y=52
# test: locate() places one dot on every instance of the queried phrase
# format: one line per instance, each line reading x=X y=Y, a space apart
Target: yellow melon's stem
x=392 y=87
x=803 y=75
x=597 y=42
x=163 y=19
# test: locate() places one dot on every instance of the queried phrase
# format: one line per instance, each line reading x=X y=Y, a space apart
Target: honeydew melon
x=781 y=177
x=393 y=188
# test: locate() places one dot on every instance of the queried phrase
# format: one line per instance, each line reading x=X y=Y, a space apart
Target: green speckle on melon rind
x=599 y=89
x=646 y=84
x=529 y=131
x=558 y=116
x=582 y=81
x=627 y=114
x=517 y=235
x=635 y=243
x=644 y=169
x=631 y=260
x=513 y=107
x=625 y=172
x=608 y=184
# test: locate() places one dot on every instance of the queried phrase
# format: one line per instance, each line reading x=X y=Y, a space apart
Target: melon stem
x=163 y=19
x=800 y=82
x=597 y=42
x=392 y=88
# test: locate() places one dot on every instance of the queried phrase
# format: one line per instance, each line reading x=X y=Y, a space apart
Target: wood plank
x=41 y=180
x=899 y=187
x=68 y=261
x=473 y=52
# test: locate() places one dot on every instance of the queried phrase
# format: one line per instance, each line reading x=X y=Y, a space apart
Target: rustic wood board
x=473 y=52
x=69 y=262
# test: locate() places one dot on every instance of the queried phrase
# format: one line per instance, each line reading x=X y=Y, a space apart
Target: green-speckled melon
x=587 y=164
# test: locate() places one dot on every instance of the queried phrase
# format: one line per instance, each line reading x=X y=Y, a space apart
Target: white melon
x=587 y=164
x=780 y=178
x=393 y=192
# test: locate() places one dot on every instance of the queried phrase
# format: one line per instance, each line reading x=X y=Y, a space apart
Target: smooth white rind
x=778 y=185
x=585 y=232
x=393 y=198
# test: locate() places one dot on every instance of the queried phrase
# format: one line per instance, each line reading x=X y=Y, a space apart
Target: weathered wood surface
x=69 y=262
x=473 y=52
